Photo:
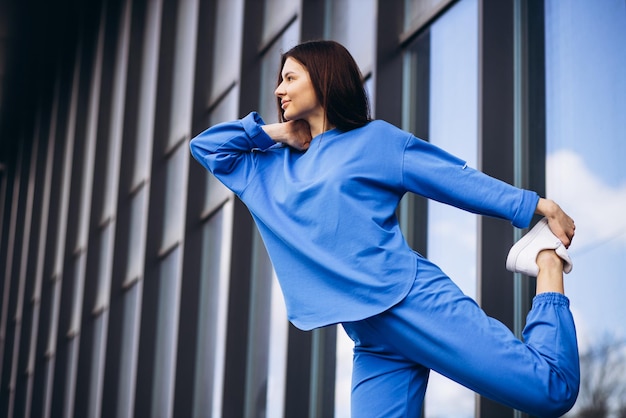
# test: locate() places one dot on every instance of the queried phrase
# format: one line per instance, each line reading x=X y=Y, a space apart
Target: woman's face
x=296 y=93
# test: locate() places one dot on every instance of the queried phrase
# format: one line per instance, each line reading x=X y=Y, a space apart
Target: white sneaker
x=522 y=257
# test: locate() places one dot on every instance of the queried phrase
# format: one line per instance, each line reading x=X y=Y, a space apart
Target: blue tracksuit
x=327 y=218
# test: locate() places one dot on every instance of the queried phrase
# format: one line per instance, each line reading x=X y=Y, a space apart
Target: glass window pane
x=276 y=15
x=585 y=150
x=116 y=121
x=270 y=69
x=418 y=12
x=129 y=350
x=137 y=235
x=105 y=266
x=183 y=74
x=454 y=97
x=175 y=196
x=277 y=362
x=147 y=94
x=213 y=306
x=216 y=192
x=96 y=373
x=227 y=45
x=343 y=374
x=353 y=24
x=166 y=333
x=77 y=293
x=259 y=325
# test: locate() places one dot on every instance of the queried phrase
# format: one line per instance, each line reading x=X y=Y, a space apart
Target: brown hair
x=337 y=82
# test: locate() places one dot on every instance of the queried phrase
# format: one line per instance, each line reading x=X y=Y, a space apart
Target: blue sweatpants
x=438 y=327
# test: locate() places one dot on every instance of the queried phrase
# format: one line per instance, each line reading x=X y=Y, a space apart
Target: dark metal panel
x=44 y=382
x=497 y=107
x=203 y=75
x=9 y=326
x=24 y=283
x=5 y=219
x=530 y=126
x=73 y=157
x=312 y=23
x=311 y=364
x=30 y=314
x=323 y=365
x=388 y=72
x=54 y=152
x=250 y=72
x=495 y=153
x=496 y=147
x=535 y=90
x=532 y=101
x=298 y=384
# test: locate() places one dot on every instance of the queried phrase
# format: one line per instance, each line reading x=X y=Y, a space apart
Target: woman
x=322 y=186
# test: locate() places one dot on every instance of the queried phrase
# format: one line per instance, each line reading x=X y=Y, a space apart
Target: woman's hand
x=295 y=133
x=559 y=222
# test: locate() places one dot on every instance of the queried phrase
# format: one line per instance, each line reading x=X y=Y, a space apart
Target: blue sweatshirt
x=327 y=215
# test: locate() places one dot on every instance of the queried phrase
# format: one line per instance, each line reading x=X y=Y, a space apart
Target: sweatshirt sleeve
x=227 y=150
x=434 y=173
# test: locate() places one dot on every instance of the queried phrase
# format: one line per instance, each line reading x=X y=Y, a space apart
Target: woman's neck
x=319 y=126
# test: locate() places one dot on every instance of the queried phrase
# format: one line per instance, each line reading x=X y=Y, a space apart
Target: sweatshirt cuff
x=526 y=210
x=252 y=126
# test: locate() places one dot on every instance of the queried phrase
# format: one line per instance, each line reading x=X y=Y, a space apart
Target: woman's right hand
x=295 y=133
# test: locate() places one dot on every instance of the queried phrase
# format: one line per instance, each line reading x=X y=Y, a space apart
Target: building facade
x=134 y=284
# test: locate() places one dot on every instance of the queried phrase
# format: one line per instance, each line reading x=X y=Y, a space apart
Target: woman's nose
x=280 y=91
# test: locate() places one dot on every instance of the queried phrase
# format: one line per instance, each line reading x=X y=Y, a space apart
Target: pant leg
x=439 y=328
x=384 y=383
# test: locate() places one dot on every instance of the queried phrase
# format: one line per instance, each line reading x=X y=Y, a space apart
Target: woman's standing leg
x=384 y=383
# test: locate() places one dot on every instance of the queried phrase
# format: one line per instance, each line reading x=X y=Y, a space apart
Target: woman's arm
x=226 y=150
x=438 y=175
x=559 y=222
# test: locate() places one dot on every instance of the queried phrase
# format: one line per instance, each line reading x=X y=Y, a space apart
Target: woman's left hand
x=560 y=223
